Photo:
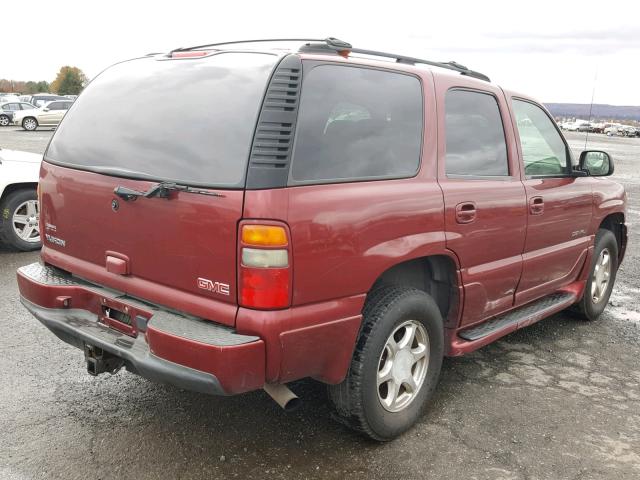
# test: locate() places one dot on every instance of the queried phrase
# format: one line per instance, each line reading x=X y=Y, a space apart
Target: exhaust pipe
x=284 y=397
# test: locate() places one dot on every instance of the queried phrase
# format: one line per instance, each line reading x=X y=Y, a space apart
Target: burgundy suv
x=328 y=212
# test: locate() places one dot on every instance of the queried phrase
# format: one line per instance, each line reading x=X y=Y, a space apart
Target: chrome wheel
x=29 y=123
x=403 y=365
x=601 y=276
x=25 y=221
x=4 y=120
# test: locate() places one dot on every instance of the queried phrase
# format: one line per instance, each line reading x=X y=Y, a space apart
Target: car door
x=485 y=203
x=559 y=204
x=50 y=113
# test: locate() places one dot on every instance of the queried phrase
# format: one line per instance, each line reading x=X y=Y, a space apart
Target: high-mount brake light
x=264 y=270
x=189 y=54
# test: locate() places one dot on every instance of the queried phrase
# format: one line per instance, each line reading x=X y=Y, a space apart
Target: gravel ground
x=558 y=400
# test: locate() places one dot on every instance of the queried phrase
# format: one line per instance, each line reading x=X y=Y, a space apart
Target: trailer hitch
x=100 y=361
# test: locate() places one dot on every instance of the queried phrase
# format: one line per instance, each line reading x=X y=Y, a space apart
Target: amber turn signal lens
x=264 y=235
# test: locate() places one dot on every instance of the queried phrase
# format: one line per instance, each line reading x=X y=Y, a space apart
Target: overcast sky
x=554 y=50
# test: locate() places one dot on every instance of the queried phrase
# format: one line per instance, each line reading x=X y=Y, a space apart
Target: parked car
x=585 y=127
x=8 y=98
x=19 y=211
x=7 y=110
x=419 y=214
x=40 y=99
x=49 y=115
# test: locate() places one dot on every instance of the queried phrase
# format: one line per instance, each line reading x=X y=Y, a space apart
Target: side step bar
x=521 y=317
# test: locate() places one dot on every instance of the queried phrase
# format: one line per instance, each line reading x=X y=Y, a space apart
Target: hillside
x=581 y=110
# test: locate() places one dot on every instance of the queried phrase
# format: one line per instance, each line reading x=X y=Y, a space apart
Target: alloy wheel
x=402 y=366
x=25 y=221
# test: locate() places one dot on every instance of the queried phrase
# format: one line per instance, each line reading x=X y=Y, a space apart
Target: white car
x=19 y=210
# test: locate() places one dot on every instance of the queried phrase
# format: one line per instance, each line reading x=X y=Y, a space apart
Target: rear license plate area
x=117 y=316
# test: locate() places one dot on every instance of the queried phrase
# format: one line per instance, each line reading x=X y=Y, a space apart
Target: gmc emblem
x=215 y=287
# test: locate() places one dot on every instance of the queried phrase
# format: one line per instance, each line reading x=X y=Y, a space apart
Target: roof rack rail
x=326 y=41
x=339 y=46
x=342 y=47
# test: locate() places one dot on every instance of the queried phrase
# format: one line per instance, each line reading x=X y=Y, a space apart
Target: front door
x=559 y=206
x=485 y=203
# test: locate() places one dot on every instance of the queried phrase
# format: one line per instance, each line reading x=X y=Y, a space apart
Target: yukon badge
x=215 y=287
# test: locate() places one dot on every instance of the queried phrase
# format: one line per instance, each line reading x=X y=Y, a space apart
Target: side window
x=476 y=144
x=357 y=123
x=543 y=150
x=55 y=106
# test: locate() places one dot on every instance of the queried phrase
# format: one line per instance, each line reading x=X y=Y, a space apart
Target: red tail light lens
x=264 y=287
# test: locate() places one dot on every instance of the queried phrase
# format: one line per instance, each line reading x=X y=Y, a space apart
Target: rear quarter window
x=357 y=124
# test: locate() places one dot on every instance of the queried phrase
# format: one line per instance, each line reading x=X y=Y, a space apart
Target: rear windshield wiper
x=161 y=190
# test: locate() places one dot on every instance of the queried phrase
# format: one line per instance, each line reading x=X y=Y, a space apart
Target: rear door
x=485 y=204
x=559 y=207
x=50 y=114
x=178 y=250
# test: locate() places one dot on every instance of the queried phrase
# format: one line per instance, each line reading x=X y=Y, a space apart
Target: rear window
x=186 y=120
x=357 y=124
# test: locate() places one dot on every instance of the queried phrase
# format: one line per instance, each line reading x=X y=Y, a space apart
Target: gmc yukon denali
x=321 y=211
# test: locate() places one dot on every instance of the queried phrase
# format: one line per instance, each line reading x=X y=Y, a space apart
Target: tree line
x=69 y=81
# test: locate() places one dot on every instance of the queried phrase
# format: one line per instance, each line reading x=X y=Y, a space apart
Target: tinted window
x=190 y=121
x=475 y=135
x=54 y=106
x=357 y=123
x=26 y=106
x=543 y=150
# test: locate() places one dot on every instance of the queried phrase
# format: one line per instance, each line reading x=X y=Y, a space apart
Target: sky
x=556 y=51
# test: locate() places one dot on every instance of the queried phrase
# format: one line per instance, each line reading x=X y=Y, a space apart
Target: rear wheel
x=29 y=123
x=395 y=366
x=4 y=120
x=19 y=219
x=602 y=275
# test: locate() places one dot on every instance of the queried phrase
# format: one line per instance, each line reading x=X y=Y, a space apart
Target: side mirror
x=45 y=109
x=596 y=163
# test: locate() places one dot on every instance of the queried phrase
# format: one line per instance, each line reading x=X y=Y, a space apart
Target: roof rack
x=262 y=40
x=339 y=46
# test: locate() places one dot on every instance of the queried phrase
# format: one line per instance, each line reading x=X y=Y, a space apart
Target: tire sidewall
x=415 y=306
x=2 y=117
x=7 y=234
x=604 y=239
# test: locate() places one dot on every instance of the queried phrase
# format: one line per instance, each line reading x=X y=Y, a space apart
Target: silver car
x=49 y=115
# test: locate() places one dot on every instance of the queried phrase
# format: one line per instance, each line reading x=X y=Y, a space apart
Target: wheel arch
x=615 y=223
x=437 y=275
x=17 y=186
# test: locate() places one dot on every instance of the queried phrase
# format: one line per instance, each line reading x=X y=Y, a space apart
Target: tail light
x=265 y=269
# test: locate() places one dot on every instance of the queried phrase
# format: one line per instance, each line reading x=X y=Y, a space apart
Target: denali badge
x=55 y=240
x=215 y=287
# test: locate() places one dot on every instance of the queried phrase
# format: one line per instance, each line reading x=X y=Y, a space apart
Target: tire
x=4 y=120
x=13 y=203
x=591 y=306
x=29 y=123
x=358 y=400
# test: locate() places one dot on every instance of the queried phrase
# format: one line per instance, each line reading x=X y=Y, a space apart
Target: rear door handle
x=536 y=205
x=465 y=212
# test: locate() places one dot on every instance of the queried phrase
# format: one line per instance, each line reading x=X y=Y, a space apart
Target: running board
x=522 y=316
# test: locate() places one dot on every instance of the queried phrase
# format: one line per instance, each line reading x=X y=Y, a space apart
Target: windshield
x=187 y=120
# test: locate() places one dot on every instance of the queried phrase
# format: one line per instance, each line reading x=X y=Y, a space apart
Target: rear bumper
x=164 y=347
